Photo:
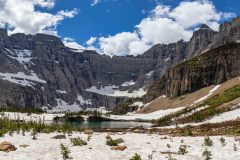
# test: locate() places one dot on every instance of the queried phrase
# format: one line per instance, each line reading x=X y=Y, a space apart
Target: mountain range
x=40 y=71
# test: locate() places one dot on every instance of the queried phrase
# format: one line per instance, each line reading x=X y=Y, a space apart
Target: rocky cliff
x=213 y=58
x=38 y=70
x=213 y=67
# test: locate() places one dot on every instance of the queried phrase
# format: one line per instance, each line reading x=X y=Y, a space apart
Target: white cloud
x=21 y=16
x=118 y=44
x=164 y=24
x=161 y=30
x=95 y=2
x=91 y=41
x=137 y=47
x=69 y=42
x=45 y=3
x=190 y=14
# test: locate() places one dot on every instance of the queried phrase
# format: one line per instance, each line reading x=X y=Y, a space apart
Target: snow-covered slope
x=143 y=144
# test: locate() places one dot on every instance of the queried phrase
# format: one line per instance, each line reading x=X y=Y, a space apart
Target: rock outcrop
x=7 y=147
x=213 y=67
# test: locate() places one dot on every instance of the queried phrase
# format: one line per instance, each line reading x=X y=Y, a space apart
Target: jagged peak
x=204 y=26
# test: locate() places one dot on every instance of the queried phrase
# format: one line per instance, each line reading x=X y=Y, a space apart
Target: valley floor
x=45 y=148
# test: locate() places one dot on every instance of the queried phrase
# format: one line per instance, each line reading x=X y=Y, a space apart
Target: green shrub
x=136 y=157
x=223 y=141
x=65 y=152
x=207 y=155
x=208 y=141
x=182 y=149
x=111 y=142
x=168 y=146
x=78 y=142
x=28 y=110
x=2 y=133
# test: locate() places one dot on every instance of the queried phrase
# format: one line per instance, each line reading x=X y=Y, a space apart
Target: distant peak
x=204 y=26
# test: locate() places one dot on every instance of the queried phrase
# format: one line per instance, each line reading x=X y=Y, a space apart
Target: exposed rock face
x=211 y=68
x=40 y=71
x=200 y=41
x=218 y=64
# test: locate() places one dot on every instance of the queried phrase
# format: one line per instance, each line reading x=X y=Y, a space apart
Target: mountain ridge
x=59 y=78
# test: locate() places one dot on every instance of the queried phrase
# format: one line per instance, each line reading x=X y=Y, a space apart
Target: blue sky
x=107 y=18
x=112 y=17
x=116 y=27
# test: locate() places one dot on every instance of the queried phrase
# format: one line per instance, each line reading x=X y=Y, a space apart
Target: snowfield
x=113 y=91
x=45 y=148
x=148 y=116
x=21 y=78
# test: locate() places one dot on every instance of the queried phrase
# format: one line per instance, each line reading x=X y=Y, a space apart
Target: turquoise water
x=111 y=124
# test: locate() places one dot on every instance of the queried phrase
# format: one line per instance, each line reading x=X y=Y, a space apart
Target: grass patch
x=10 y=126
x=22 y=110
x=110 y=141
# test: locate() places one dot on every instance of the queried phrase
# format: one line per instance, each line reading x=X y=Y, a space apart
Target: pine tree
x=136 y=157
x=65 y=152
x=207 y=155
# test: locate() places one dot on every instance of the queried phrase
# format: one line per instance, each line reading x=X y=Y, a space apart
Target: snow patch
x=148 y=116
x=168 y=59
x=149 y=74
x=22 y=56
x=62 y=92
x=21 y=78
x=209 y=94
x=139 y=104
x=102 y=110
x=128 y=83
x=83 y=101
x=63 y=106
x=113 y=92
x=226 y=116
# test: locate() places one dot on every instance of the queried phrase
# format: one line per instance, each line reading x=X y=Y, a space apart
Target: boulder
x=119 y=140
x=119 y=148
x=7 y=147
x=62 y=136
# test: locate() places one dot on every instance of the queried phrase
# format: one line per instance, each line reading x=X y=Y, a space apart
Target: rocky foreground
x=148 y=146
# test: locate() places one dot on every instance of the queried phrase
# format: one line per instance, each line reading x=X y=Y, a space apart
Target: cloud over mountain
x=22 y=16
x=164 y=24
